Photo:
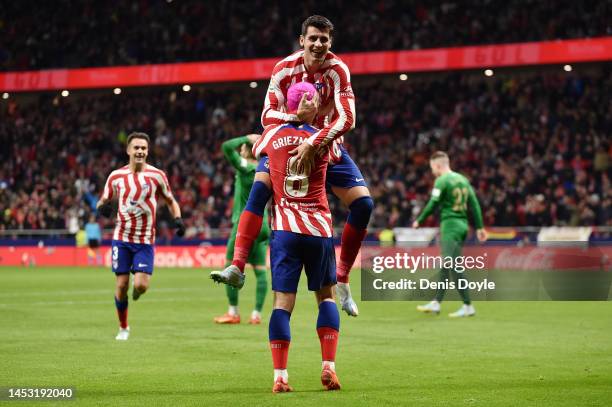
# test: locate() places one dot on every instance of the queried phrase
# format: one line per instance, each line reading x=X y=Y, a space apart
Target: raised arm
x=274 y=111
x=231 y=155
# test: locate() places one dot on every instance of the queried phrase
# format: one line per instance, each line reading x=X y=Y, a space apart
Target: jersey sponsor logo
x=347 y=92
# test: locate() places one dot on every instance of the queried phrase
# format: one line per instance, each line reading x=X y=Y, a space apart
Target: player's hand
x=307 y=109
x=179 y=225
x=482 y=235
x=415 y=224
x=253 y=138
x=105 y=210
x=305 y=154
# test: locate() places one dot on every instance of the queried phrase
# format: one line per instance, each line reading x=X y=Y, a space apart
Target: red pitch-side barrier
x=496 y=257
x=362 y=63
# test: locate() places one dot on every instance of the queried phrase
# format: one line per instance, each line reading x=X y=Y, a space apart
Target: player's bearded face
x=138 y=150
x=316 y=44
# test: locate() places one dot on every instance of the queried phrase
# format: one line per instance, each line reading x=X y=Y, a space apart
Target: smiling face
x=316 y=44
x=138 y=150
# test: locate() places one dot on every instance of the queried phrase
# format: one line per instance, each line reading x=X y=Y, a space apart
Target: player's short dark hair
x=437 y=155
x=320 y=22
x=139 y=135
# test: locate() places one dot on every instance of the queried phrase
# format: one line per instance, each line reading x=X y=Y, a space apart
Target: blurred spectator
x=71 y=33
x=536 y=147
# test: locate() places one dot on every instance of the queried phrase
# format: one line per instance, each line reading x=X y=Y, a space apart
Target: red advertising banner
x=497 y=257
x=363 y=63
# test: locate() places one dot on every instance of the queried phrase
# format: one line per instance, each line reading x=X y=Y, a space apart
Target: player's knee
x=260 y=273
x=141 y=286
x=284 y=301
x=325 y=294
x=122 y=286
x=360 y=211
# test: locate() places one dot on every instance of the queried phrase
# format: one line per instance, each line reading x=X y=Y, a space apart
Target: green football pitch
x=58 y=329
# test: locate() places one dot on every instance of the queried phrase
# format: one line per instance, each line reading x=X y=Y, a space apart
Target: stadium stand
x=535 y=144
x=96 y=33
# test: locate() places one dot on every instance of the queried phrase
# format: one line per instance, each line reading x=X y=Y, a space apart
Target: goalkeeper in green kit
x=453 y=193
x=245 y=166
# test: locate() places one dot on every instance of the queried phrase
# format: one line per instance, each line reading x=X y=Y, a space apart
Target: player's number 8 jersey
x=300 y=201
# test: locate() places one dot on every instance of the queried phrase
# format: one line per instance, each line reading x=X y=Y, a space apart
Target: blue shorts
x=132 y=257
x=344 y=174
x=289 y=252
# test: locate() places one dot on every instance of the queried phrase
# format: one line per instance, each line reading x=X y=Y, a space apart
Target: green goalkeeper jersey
x=245 y=174
x=453 y=193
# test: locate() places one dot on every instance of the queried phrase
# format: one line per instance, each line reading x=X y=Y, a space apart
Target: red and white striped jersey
x=137 y=195
x=299 y=201
x=336 y=98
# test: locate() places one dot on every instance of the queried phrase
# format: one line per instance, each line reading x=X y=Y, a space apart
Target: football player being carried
x=315 y=64
x=136 y=187
x=301 y=238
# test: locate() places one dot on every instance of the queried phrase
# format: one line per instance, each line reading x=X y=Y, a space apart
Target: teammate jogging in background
x=245 y=165
x=453 y=193
x=136 y=187
x=301 y=238
x=334 y=108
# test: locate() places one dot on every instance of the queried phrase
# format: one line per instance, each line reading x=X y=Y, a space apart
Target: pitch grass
x=58 y=328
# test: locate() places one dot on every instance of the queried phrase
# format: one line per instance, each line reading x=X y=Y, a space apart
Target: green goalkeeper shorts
x=452 y=235
x=259 y=251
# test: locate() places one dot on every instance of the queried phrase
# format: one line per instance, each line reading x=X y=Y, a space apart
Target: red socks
x=351 y=243
x=122 y=312
x=280 y=353
x=329 y=343
x=249 y=227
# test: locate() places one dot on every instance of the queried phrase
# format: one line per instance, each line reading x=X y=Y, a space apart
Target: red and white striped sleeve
x=259 y=147
x=274 y=111
x=344 y=101
x=109 y=188
x=165 y=185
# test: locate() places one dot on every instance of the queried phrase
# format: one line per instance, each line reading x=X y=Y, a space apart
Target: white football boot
x=464 y=311
x=430 y=307
x=346 y=299
x=123 y=334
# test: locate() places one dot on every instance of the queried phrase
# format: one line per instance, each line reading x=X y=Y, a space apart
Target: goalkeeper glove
x=179 y=225
x=105 y=210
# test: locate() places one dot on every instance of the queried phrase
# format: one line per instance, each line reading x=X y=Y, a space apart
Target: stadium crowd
x=535 y=145
x=69 y=33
